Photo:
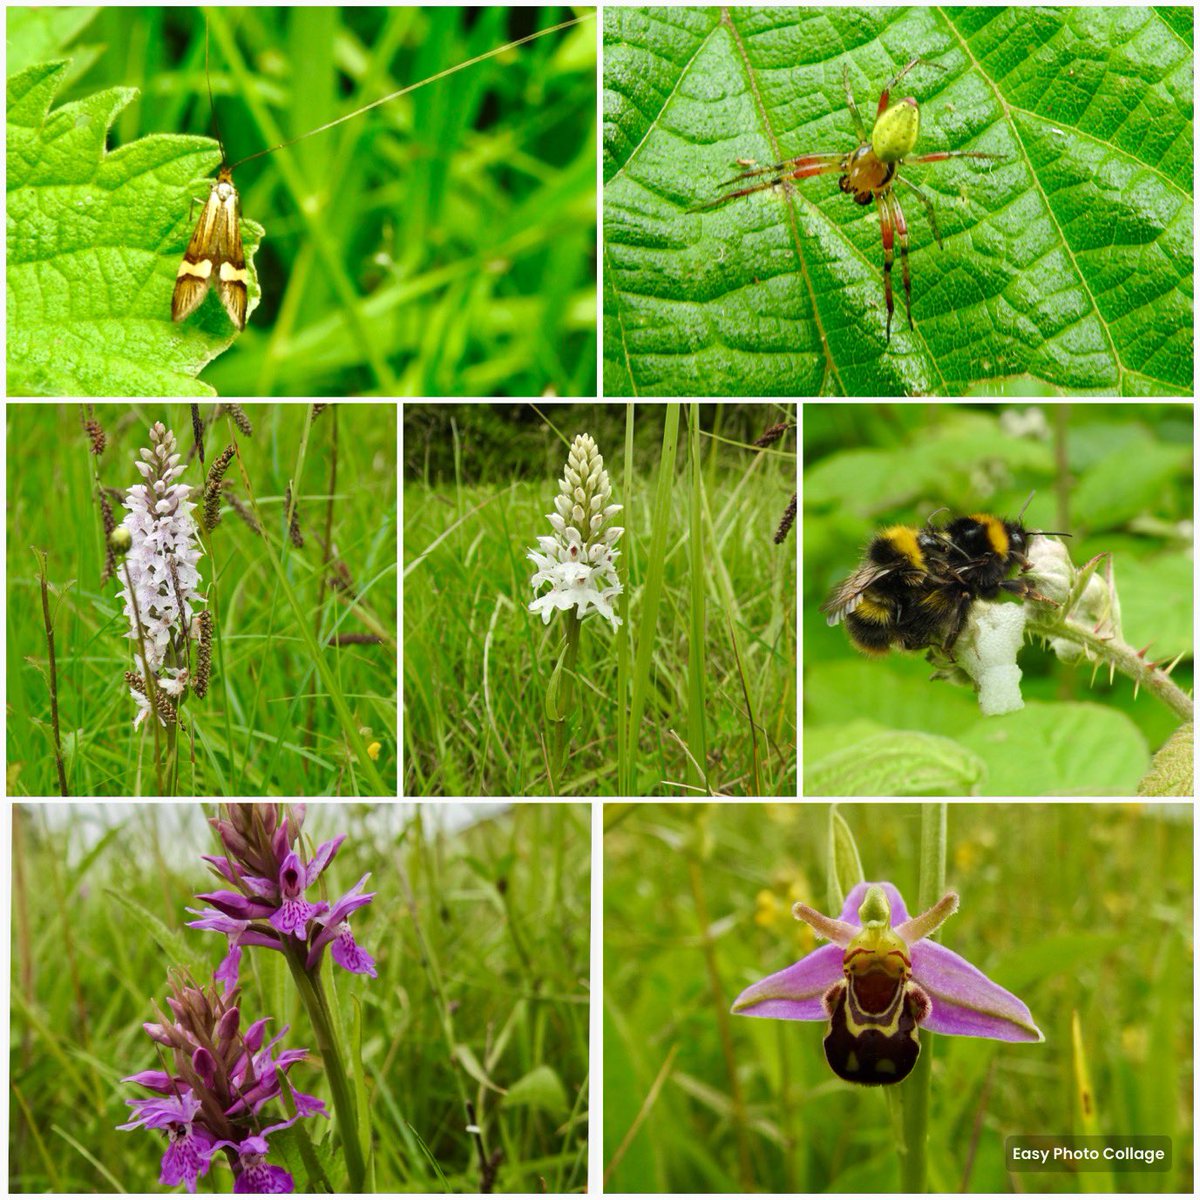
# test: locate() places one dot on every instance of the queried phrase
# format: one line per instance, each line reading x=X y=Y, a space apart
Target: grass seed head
x=771 y=436
x=95 y=433
x=204 y=658
x=785 y=525
x=238 y=413
x=212 y=488
x=293 y=511
x=242 y=509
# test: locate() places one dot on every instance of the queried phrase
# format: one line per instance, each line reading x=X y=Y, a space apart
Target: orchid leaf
x=94 y=241
x=1066 y=265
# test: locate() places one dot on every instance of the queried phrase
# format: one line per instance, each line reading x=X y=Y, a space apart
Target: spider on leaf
x=869 y=172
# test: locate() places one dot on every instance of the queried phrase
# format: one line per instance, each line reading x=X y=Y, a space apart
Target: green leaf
x=542 y=1089
x=173 y=944
x=845 y=868
x=362 y=1098
x=295 y=1149
x=466 y=1059
x=94 y=241
x=1067 y=749
x=1067 y=266
x=1173 y=772
x=897 y=764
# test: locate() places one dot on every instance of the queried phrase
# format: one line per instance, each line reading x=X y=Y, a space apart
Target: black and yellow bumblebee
x=915 y=586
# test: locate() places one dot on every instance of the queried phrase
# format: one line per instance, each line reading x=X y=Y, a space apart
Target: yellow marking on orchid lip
x=875 y=954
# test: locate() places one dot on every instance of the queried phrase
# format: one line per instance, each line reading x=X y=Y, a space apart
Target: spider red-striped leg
x=804 y=167
x=787 y=166
x=895 y=79
x=854 y=115
x=887 y=232
x=902 y=235
x=925 y=200
x=942 y=155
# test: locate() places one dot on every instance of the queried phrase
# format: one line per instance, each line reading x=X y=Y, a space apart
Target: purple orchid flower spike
x=294 y=914
x=256 y=1176
x=190 y=1146
x=346 y=951
x=267 y=905
x=220 y=1080
x=880 y=981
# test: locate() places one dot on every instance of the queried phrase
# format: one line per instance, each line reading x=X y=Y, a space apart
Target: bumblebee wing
x=848 y=594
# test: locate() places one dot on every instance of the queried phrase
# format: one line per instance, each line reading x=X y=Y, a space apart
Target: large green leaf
x=94 y=241
x=1066 y=267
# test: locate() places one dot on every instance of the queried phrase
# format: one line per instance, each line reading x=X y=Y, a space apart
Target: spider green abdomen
x=895 y=132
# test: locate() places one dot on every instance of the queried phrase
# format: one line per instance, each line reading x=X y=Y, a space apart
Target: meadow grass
x=695 y=694
x=481 y=941
x=1082 y=911
x=287 y=712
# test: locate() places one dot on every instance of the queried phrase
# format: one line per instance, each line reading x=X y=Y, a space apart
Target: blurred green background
x=461 y=219
x=480 y=933
x=1077 y=909
x=1118 y=477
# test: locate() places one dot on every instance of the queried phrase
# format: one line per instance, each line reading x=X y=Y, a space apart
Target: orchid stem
x=914 y=1098
x=312 y=992
x=566 y=698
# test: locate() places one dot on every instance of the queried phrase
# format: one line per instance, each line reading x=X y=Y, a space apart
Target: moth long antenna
x=212 y=108
x=412 y=87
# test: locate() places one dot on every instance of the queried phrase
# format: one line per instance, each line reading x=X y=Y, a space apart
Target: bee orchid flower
x=881 y=980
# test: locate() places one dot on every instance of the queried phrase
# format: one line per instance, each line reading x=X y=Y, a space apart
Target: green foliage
x=881 y=726
x=91 y=263
x=1066 y=267
x=458 y=963
x=1174 y=770
x=478 y=664
x=440 y=244
x=275 y=721
x=1075 y=908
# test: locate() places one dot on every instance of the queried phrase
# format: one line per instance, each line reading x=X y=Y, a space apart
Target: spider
x=869 y=172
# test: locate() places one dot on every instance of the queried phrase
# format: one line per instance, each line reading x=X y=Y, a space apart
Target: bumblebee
x=915 y=587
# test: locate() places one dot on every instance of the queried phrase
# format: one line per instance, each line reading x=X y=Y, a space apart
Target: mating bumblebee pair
x=915 y=587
